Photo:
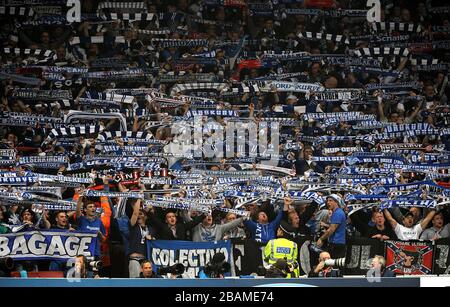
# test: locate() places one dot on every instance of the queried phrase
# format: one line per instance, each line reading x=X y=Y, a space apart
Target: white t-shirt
x=405 y=234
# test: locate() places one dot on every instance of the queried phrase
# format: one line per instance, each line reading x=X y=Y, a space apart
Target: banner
x=359 y=251
x=193 y=255
x=247 y=256
x=409 y=258
x=441 y=261
x=47 y=245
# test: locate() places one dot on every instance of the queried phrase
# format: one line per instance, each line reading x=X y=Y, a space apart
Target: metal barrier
x=217 y=283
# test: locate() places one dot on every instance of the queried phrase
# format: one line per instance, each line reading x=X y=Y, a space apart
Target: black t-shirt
x=387 y=231
x=137 y=239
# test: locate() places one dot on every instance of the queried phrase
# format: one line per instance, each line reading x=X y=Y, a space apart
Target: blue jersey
x=338 y=217
x=96 y=225
x=264 y=232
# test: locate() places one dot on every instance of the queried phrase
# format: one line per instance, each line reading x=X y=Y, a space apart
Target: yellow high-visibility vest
x=281 y=249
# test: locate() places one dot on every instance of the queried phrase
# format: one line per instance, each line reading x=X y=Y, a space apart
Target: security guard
x=282 y=248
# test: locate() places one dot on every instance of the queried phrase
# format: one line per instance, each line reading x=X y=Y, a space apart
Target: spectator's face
x=429 y=91
x=421 y=8
x=331 y=82
x=308 y=153
x=376 y=263
x=61 y=220
x=406 y=16
x=79 y=264
x=11 y=138
x=331 y=203
x=61 y=53
x=408 y=221
x=231 y=217
x=254 y=73
x=378 y=219
x=220 y=15
x=438 y=221
x=315 y=69
x=93 y=49
x=269 y=25
x=142 y=218
x=208 y=220
x=27 y=217
x=171 y=219
x=394 y=117
x=324 y=256
x=262 y=218
x=90 y=209
x=294 y=219
x=147 y=270
x=45 y=38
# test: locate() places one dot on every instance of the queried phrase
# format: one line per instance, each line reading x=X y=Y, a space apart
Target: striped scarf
x=36 y=94
x=17 y=11
x=396 y=27
x=76 y=40
x=47 y=55
x=340 y=94
x=385 y=51
x=109 y=95
x=73 y=132
x=130 y=16
x=77 y=115
x=20 y=79
x=329 y=37
x=167 y=43
x=124 y=135
x=225 y=113
x=178 y=88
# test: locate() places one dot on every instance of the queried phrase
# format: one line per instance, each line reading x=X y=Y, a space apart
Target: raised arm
x=136 y=209
x=287 y=202
x=231 y=225
x=428 y=219
x=358 y=220
x=195 y=221
x=390 y=219
x=79 y=203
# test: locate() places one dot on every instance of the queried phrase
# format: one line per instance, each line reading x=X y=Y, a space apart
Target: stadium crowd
x=93 y=113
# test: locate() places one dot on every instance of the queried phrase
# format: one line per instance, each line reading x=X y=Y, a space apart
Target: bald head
x=324 y=256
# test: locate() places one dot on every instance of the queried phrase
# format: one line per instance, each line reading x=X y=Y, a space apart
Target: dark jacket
x=163 y=231
x=302 y=229
x=361 y=222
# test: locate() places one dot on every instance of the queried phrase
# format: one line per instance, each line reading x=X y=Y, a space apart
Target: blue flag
x=47 y=245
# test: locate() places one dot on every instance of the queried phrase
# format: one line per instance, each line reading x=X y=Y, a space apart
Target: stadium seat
x=41 y=274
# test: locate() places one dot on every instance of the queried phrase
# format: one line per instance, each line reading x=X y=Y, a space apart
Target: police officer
x=282 y=248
